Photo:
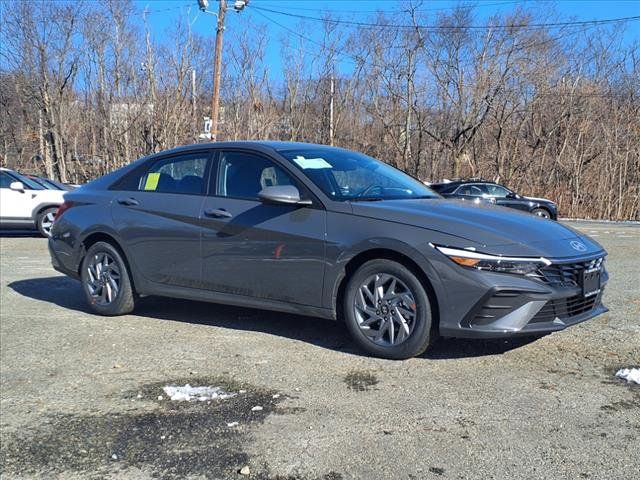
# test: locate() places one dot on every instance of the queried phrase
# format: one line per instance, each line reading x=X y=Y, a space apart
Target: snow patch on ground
x=189 y=393
x=629 y=374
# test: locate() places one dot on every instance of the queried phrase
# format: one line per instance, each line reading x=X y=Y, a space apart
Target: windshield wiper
x=368 y=199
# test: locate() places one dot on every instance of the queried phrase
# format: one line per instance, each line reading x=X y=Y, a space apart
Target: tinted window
x=471 y=190
x=243 y=175
x=443 y=187
x=16 y=177
x=5 y=180
x=179 y=174
x=346 y=175
x=497 y=191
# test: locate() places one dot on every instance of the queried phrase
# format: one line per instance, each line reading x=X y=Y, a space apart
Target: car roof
x=254 y=144
x=456 y=183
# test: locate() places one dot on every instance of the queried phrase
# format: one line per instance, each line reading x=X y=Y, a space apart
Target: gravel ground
x=81 y=395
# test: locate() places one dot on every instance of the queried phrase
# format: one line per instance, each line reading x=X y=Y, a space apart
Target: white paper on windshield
x=311 y=163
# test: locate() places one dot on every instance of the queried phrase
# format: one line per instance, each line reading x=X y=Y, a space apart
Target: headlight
x=494 y=263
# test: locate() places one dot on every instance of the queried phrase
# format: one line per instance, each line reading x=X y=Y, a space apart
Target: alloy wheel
x=103 y=278
x=385 y=309
x=47 y=222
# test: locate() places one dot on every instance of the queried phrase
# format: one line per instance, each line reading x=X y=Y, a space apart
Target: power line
x=455 y=27
x=358 y=60
x=354 y=59
x=395 y=9
x=150 y=12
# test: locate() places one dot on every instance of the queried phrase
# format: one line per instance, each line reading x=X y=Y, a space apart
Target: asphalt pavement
x=81 y=396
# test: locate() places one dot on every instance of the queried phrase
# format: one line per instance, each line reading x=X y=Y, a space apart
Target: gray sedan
x=326 y=232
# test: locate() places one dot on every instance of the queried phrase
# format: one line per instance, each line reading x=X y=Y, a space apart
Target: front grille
x=566 y=274
x=565 y=308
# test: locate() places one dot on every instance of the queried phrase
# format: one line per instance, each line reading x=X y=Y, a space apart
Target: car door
x=250 y=248
x=156 y=214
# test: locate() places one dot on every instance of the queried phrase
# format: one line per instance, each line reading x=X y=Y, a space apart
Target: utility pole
x=193 y=92
x=217 y=67
x=331 y=94
x=238 y=6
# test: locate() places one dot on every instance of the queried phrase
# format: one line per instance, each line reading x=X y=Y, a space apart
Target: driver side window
x=497 y=191
x=5 y=180
x=244 y=175
x=471 y=190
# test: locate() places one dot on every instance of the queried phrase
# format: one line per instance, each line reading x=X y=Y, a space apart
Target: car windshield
x=346 y=175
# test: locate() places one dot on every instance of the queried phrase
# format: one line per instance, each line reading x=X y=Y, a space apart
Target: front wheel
x=541 y=212
x=105 y=280
x=387 y=310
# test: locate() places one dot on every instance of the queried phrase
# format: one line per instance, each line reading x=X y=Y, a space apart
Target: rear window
x=443 y=187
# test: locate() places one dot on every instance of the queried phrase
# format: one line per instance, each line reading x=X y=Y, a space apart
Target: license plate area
x=591 y=282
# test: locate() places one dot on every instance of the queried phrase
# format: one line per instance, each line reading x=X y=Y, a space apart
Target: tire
x=44 y=221
x=541 y=212
x=105 y=281
x=405 y=305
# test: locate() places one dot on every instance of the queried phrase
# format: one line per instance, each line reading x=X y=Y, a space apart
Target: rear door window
x=182 y=174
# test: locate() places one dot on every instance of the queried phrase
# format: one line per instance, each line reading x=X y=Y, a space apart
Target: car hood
x=536 y=199
x=488 y=228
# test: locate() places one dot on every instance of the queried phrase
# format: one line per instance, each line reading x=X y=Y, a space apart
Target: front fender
x=351 y=241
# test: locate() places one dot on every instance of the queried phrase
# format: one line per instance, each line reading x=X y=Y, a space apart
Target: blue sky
x=164 y=13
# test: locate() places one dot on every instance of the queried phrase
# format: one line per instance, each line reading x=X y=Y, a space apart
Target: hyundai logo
x=579 y=246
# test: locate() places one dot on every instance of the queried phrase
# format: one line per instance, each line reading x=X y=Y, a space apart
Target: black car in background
x=483 y=191
x=50 y=184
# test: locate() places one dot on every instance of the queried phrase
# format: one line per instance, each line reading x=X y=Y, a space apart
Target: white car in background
x=25 y=204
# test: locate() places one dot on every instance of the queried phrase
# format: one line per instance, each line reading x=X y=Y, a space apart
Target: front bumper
x=507 y=313
x=517 y=306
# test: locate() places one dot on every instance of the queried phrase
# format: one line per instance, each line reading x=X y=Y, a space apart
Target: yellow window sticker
x=152 y=181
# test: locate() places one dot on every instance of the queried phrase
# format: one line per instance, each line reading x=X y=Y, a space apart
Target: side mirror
x=511 y=195
x=17 y=186
x=282 y=195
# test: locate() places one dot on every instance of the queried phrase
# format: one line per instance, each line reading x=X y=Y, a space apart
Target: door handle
x=217 y=213
x=129 y=202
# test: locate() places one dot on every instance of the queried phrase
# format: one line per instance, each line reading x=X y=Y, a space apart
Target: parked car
x=482 y=190
x=51 y=184
x=323 y=231
x=26 y=204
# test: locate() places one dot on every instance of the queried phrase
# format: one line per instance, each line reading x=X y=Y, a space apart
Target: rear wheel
x=387 y=310
x=541 y=212
x=45 y=219
x=105 y=280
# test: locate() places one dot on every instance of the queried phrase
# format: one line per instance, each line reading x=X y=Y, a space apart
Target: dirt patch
x=174 y=440
x=621 y=405
x=360 y=381
x=327 y=476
